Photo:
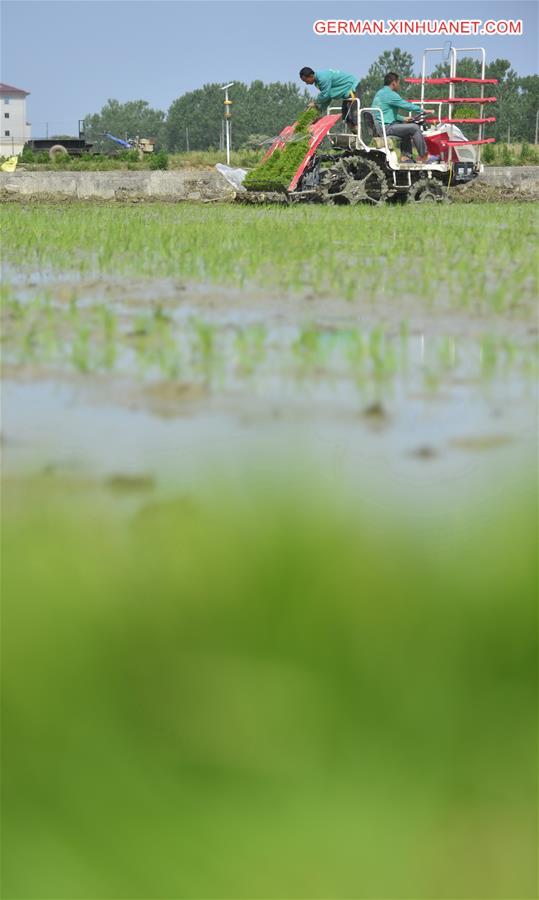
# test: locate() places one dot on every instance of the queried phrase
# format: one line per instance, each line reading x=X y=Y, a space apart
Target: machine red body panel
x=457 y=100
x=441 y=145
x=485 y=121
x=467 y=143
x=318 y=131
x=438 y=145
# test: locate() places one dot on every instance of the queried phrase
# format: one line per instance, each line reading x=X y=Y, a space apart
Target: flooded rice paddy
x=392 y=338
x=270 y=542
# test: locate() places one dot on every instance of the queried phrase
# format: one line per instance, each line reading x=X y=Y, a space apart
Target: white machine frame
x=356 y=142
x=453 y=74
x=356 y=139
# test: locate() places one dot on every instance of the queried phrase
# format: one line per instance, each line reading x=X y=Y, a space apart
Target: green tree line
x=125 y=120
x=260 y=111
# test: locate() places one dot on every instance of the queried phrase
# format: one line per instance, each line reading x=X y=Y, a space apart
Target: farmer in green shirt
x=390 y=102
x=333 y=85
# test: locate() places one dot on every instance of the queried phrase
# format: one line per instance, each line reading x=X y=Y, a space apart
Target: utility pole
x=228 y=116
x=536 y=125
x=187 y=139
x=46 y=129
x=508 y=134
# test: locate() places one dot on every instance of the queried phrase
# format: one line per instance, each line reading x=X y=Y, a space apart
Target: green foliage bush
x=276 y=172
x=489 y=154
x=243 y=158
x=528 y=155
x=159 y=160
x=467 y=112
x=510 y=155
x=506 y=156
x=131 y=155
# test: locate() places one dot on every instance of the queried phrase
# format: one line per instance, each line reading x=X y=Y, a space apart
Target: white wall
x=13 y=119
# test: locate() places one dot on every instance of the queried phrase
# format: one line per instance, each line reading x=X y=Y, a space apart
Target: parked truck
x=57 y=147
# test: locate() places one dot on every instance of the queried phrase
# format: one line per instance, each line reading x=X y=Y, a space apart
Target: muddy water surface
x=153 y=382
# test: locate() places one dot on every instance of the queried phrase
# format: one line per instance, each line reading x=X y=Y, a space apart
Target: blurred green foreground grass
x=267 y=697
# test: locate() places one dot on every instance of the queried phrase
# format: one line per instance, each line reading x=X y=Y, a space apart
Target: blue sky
x=73 y=55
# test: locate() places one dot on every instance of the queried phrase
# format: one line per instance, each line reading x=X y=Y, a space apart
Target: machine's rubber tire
x=398 y=198
x=354 y=179
x=57 y=151
x=428 y=190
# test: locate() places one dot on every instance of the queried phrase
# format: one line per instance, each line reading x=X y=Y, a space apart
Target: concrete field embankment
x=197 y=184
x=180 y=184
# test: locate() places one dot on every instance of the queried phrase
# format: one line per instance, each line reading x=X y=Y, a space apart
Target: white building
x=14 y=129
